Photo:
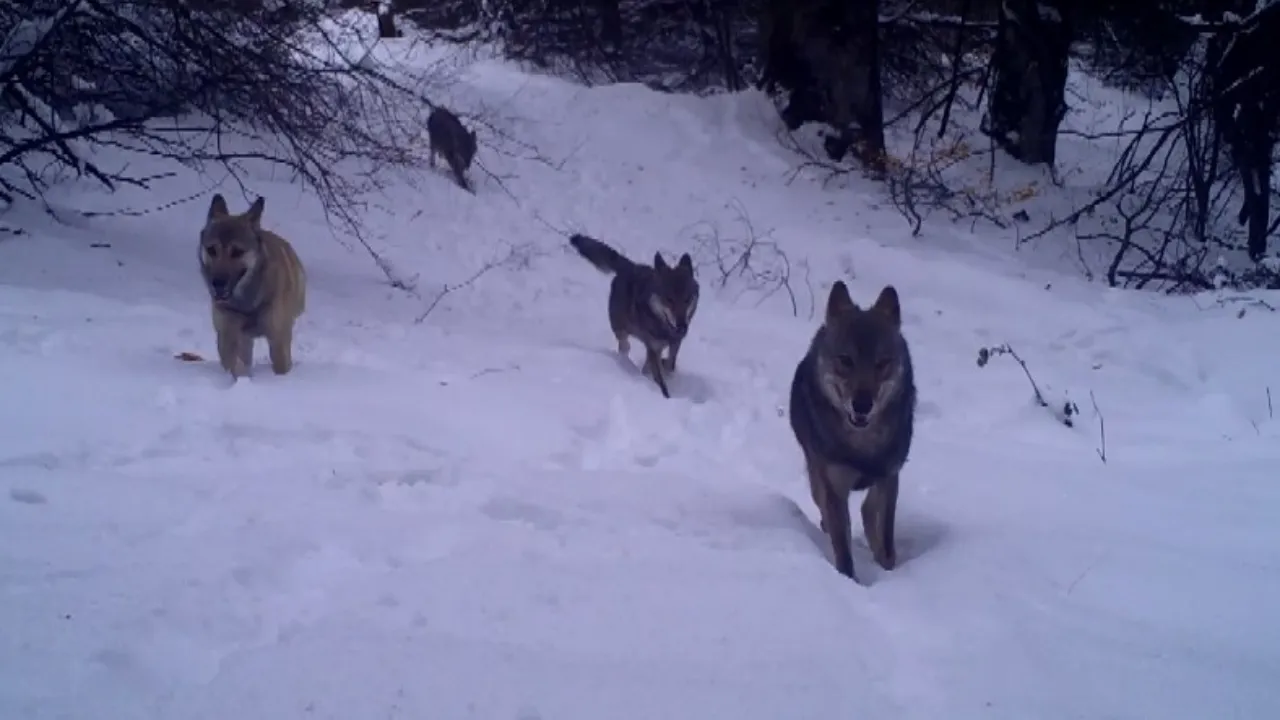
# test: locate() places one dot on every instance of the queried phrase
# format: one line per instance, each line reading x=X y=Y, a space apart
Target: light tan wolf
x=853 y=400
x=257 y=285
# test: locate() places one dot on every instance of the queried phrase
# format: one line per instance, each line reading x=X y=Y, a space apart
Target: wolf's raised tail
x=605 y=258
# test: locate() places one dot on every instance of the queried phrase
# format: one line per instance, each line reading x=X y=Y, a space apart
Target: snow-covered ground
x=487 y=515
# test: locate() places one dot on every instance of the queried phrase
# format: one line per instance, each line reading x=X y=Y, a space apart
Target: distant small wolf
x=654 y=304
x=853 y=400
x=257 y=284
x=450 y=138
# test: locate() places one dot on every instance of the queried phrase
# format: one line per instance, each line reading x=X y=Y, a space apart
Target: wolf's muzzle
x=222 y=287
x=863 y=400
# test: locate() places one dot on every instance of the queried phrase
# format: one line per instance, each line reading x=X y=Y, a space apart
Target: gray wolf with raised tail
x=652 y=304
x=450 y=138
x=256 y=283
x=853 y=400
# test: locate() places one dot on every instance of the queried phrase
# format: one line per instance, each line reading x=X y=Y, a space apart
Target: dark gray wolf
x=450 y=138
x=853 y=400
x=653 y=304
x=257 y=284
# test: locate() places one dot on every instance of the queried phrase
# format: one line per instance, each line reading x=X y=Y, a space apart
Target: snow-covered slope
x=485 y=514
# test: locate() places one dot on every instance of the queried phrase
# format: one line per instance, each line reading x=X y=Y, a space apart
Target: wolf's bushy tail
x=605 y=258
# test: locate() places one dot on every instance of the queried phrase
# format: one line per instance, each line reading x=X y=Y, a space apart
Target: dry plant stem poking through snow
x=1102 y=428
x=1069 y=409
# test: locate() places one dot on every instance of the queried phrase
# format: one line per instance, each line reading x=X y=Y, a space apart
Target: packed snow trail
x=526 y=532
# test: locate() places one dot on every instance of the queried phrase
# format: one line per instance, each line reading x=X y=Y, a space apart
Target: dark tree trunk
x=610 y=23
x=1027 y=100
x=827 y=53
x=724 y=48
x=1245 y=72
x=387 y=22
x=784 y=65
x=775 y=55
x=868 y=96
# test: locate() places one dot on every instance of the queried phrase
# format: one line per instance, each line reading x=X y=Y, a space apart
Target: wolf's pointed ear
x=658 y=262
x=254 y=213
x=838 y=302
x=217 y=208
x=887 y=305
x=686 y=264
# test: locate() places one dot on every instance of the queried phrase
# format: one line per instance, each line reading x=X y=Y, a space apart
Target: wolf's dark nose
x=862 y=402
x=219 y=286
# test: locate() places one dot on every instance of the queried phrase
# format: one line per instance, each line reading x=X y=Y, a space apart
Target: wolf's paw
x=887 y=560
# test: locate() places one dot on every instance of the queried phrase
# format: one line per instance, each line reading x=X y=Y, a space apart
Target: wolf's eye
x=237 y=253
x=211 y=251
x=845 y=362
x=883 y=365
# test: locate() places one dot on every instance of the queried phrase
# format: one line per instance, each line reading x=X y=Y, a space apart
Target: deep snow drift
x=487 y=515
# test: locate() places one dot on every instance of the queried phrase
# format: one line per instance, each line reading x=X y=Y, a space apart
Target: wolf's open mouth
x=224 y=292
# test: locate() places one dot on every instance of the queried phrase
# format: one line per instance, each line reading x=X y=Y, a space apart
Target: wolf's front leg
x=879 y=510
x=672 y=350
x=653 y=366
x=231 y=353
x=835 y=516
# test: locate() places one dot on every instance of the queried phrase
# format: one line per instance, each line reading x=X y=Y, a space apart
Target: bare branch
x=515 y=256
x=753 y=262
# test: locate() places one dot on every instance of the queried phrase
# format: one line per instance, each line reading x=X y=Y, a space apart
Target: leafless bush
x=750 y=262
x=1163 y=205
x=936 y=175
x=672 y=45
x=216 y=85
x=928 y=55
x=937 y=56
x=1187 y=162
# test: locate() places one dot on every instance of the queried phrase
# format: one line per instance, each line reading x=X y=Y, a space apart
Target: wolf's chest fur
x=859 y=456
x=631 y=298
x=249 y=320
